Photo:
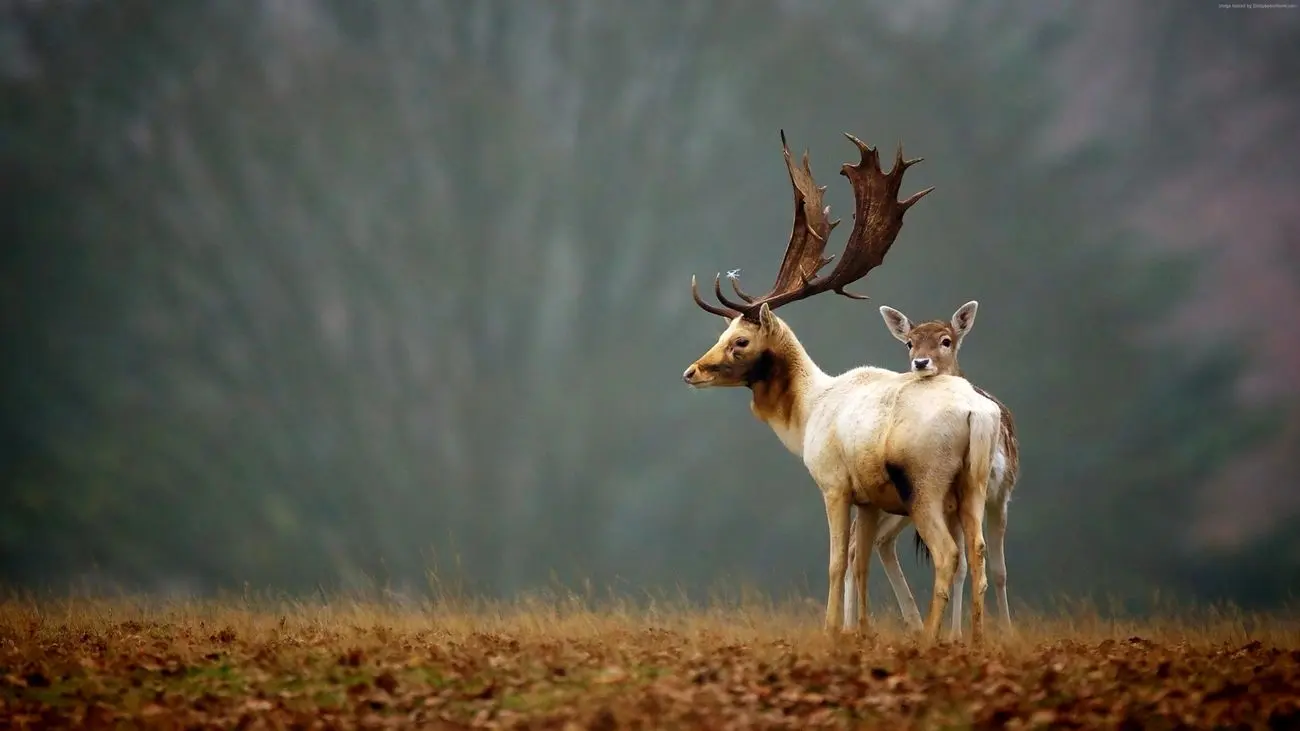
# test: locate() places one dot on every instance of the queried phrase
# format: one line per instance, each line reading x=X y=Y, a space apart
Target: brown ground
x=551 y=665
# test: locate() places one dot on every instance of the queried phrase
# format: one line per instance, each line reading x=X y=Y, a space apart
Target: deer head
x=932 y=346
x=744 y=350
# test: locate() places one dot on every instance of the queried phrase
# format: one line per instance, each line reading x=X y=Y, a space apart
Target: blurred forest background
x=304 y=294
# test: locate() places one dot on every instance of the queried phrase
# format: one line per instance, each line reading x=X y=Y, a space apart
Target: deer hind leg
x=887 y=545
x=972 y=525
x=850 y=593
x=997 y=516
x=959 y=576
x=868 y=521
x=931 y=525
x=837 y=519
x=851 y=602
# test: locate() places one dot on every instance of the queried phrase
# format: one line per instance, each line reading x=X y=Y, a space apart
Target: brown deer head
x=932 y=346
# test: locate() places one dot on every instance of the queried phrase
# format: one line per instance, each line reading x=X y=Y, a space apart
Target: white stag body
x=887 y=442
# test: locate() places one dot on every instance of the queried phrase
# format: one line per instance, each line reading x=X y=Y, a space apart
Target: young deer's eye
x=946 y=342
x=741 y=342
x=909 y=345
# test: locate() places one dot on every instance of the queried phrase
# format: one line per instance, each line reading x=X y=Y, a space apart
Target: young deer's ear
x=964 y=319
x=766 y=320
x=899 y=326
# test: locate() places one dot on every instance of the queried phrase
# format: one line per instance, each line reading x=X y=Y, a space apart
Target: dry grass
x=556 y=663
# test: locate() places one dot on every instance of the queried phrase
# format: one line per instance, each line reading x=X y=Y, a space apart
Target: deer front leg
x=837 y=519
x=931 y=525
x=890 y=527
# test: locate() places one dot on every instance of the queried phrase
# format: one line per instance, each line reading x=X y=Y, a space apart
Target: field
x=561 y=663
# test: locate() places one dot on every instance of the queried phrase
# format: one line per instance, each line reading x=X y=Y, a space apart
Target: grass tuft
x=556 y=658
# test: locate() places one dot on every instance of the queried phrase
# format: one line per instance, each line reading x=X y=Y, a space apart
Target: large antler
x=877 y=219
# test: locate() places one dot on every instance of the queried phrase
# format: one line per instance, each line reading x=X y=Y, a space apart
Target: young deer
x=932 y=350
x=880 y=440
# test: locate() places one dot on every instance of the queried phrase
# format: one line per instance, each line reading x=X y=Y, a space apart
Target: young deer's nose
x=689 y=374
x=920 y=364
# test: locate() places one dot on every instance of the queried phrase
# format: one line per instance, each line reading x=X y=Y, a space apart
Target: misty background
x=306 y=294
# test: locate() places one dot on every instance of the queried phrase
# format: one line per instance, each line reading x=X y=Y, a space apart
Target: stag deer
x=932 y=349
x=873 y=438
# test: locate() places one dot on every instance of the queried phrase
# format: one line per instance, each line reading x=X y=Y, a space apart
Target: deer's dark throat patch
x=769 y=378
x=763 y=370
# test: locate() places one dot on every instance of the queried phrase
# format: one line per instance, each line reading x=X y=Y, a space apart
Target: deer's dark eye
x=946 y=342
x=741 y=342
x=909 y=345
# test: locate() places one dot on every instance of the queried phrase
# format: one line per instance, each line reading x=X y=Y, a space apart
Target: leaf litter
x=365 y=667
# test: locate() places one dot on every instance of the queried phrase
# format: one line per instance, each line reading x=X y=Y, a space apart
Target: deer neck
x=782 y=383
x=955 y=369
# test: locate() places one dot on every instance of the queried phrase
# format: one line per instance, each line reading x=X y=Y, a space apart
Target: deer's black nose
x=689 y=374
x=920 y=364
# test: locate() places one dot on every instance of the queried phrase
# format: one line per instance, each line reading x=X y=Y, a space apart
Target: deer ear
x=766 y=320
x=964 y=319
x=899 y=326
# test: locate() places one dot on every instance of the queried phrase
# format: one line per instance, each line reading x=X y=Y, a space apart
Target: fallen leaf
x=387 y=682
x=610 y=675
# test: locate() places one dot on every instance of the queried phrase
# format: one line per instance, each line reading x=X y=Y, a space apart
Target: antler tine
x=870 y=156
x=912 y=199
x=717 y=292
x=812 y=218
x=711 y=309
x=902 y=164
x=871 y=160
x=735 y=285
x=734 y=276
x=877 y=217
x=808 y=234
